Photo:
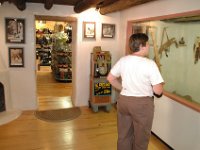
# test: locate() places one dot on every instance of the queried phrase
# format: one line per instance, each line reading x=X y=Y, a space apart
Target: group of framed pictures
x=89 y=28
x=15 y=34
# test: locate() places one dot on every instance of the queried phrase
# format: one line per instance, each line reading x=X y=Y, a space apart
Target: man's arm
x=158 y=90
x=114 y=81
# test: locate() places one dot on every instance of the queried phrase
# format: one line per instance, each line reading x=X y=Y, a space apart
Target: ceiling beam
x=83 y=5
x=106 y=6
x=48 y=4
x=120 y=5
x=21 y=4
x=86 y=4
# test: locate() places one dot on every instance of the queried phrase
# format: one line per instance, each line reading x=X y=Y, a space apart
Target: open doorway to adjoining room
x=54 y=52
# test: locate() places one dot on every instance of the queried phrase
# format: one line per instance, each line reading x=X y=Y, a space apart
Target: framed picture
x=89 y=29
x=15 y=30
x=16 y=57
x=108 y=30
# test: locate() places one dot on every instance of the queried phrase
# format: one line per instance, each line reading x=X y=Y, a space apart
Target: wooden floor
x=51 y=93
x=90 y=131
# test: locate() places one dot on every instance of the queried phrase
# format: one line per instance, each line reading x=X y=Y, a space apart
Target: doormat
x=58 y=115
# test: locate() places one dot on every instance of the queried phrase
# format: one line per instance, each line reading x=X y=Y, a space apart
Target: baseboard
x=162 y=141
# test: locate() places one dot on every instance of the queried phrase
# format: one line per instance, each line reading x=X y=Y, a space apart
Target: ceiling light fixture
x=98 y=6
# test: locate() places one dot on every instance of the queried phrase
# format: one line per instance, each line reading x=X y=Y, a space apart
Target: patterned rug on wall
x=58 y=115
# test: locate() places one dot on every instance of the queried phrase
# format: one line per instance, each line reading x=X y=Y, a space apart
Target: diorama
x=175 y=47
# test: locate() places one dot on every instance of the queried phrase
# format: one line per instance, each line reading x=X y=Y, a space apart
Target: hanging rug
x=58 y=115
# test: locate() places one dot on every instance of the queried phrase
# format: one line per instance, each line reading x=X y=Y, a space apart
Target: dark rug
x=58 y=115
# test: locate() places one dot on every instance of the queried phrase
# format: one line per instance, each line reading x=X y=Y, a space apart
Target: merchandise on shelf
x=61 y=65
x=44 y=46
x=61 y=57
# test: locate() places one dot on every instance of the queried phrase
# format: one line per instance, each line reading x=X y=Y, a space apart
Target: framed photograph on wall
x=89 y=29
x=16 y=56
x=108 y=30
x=15 y=30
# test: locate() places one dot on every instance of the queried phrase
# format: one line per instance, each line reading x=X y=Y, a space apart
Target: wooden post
x=48 y=4
x=21 y=4
x=85 y=4
x=155 y=48
x=120 y=5
x=128 y=34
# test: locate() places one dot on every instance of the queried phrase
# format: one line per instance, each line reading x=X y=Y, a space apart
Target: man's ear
x=142 y=47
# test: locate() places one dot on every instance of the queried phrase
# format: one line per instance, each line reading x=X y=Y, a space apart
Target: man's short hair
x=136 y=40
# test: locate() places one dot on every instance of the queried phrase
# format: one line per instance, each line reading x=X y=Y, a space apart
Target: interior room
x=54 y=68
x=55 y=55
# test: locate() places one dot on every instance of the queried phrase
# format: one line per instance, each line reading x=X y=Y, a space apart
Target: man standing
x=141 y=80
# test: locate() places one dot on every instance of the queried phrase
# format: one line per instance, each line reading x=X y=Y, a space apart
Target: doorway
x=54 y=61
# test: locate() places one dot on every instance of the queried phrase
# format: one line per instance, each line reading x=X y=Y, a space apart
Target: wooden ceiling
x=104 y=6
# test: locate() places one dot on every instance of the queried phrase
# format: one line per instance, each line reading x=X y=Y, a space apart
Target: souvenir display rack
x=44 y=46
x=100 y=88
x=61 y=58
x=62 y=65
x=62 y=54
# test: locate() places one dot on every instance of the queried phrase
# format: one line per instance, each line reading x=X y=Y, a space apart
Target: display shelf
x=61 y=56
x=63 y=75
x=44 y=46
x=44 y=55
x=62 y=65
x=53 y=48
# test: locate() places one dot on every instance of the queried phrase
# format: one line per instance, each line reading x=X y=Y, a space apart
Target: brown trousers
x=135 y=117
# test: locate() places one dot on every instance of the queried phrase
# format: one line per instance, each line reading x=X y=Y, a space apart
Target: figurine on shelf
x=165 y=47
x=196 y=50
x=182 y=41
x=197 y=53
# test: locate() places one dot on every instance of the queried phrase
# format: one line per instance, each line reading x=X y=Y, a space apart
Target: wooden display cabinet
x=62 y=66
x=100 y=88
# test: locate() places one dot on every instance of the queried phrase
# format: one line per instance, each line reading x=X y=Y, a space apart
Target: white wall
x=85 y=46
x=23 y=80
x=181 y=135
x=176 y=124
